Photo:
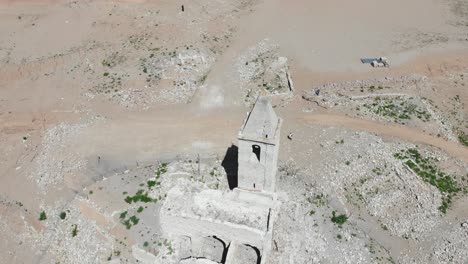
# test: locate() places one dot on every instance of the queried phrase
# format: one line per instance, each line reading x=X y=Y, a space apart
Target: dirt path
x=398 y=131
x=161 y=135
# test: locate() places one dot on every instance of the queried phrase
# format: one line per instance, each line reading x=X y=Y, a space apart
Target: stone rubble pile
x=365 y=168
x=187 y=70
x=304 y=233
x=261 y=69
x=54 y=158
x=358 y=176
x=452 y=247
x=132 y=98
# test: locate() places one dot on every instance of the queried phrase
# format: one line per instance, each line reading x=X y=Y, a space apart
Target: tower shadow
x=230 y=165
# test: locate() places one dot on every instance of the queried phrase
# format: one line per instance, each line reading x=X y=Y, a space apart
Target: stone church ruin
x=231 y=226
x=258 y=148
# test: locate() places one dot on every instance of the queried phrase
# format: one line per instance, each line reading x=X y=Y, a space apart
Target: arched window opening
x=256 y=151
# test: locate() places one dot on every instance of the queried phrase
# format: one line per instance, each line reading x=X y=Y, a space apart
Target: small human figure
x=183 y=8
x=290 y=136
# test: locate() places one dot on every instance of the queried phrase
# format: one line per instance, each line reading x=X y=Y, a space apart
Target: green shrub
x=75 y=231
x=339 y=219
x=140 y=196
x=63 y=215
x=134 y=220
x=123 y=215
x=151 y=184
x=42 y=216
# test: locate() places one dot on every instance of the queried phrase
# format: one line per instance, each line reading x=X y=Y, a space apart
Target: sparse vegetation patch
x=162 y=168
x=427 y=169
x=318 y=200
x=128 y=222
x=113 y=60
x=111 y=84
x=463 y=138
x=397 y=109
x=140 y=196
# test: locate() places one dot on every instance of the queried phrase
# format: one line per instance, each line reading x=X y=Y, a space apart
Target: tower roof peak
x=261 y=123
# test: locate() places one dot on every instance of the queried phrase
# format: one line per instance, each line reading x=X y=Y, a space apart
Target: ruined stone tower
x=259 y=139
x=235 y=227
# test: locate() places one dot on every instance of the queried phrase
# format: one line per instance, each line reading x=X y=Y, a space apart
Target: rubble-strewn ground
x=359 y=176
x=106 y=105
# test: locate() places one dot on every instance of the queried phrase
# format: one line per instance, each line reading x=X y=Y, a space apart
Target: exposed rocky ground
x=102 y=112
x=262 y=69
x=405 y=100
x=368 y=183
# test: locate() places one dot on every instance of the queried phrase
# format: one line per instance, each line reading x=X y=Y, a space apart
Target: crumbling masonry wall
x=254 y=173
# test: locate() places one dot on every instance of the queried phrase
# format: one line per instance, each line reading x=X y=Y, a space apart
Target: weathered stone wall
x=242 y=254
x=252 y=172
x=189 y=211
x=257 y=174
